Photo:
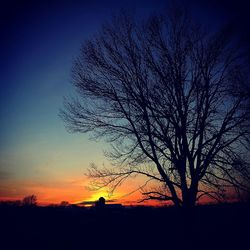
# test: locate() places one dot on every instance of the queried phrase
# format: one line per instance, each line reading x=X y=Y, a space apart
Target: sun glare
x=97 y=195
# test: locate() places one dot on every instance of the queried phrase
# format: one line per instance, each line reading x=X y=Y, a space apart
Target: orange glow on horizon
x=73 y=191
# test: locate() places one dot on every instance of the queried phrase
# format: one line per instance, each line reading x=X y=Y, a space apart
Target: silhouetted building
x=100 y=203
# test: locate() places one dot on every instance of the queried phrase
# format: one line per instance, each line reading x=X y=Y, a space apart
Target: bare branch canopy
x=172 y=99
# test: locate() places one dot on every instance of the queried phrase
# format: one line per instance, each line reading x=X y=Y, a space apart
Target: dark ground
x=205 y=227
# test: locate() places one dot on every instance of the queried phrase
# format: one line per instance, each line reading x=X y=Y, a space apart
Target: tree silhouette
x=64 y=204
x=30 y=200
x=172 y=99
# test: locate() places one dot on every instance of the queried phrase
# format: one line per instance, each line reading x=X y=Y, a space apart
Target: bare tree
x=172 y=101
x=64 y=204
x=30 y=200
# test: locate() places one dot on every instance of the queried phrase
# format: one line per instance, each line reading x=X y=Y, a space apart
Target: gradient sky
x=38 y=43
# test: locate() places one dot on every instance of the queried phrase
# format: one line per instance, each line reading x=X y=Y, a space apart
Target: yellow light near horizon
x=97 y=195
x=103 y=193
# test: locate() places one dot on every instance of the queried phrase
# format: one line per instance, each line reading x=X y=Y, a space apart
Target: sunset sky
x=38 y=43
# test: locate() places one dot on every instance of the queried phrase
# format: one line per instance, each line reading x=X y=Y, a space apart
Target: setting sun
x=97 y=195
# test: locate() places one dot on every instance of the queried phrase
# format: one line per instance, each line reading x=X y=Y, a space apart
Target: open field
x=205 y=227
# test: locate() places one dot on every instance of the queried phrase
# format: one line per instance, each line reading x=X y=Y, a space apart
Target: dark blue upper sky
x=39 y=41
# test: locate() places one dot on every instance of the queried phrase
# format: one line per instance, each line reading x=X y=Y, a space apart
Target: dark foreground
x=205 y=227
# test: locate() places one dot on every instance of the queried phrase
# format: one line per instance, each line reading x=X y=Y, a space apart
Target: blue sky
x=38 y=44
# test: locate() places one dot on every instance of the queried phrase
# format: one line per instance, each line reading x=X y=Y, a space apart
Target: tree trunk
x=189 y=197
